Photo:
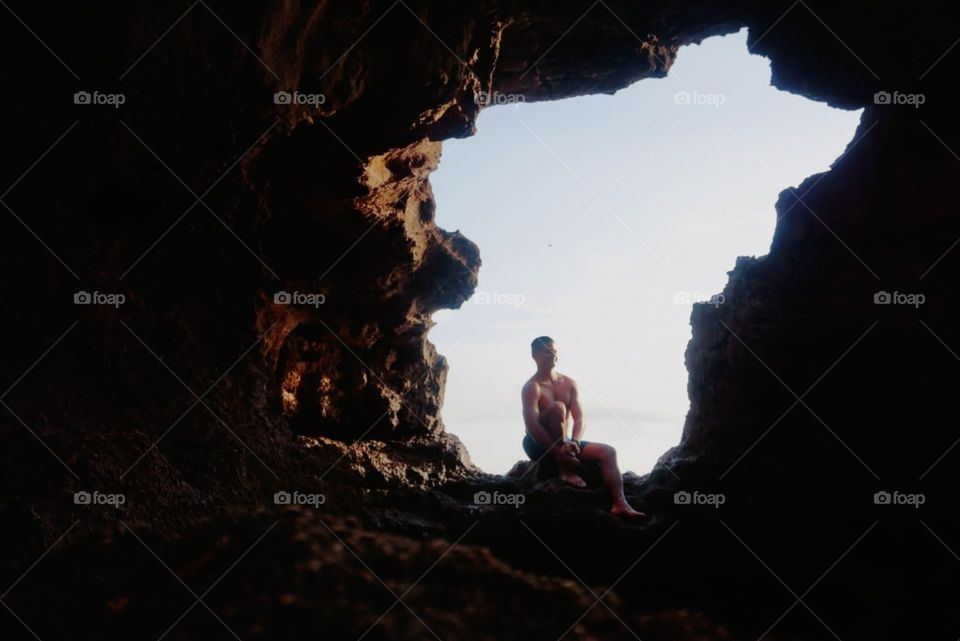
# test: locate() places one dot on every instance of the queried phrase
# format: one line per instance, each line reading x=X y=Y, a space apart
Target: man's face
x=546 y=355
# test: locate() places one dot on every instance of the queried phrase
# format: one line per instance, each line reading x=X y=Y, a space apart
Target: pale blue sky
x=598 y=219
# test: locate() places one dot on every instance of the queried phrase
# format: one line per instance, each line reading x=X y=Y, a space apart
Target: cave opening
x=601 y=220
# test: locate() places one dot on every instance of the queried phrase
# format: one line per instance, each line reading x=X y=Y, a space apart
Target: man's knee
x=556 y=410
x=600 y=453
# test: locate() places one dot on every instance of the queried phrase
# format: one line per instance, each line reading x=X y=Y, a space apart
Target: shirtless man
x=549 y=400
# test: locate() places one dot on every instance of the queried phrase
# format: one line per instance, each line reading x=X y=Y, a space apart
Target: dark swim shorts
x=535 y=451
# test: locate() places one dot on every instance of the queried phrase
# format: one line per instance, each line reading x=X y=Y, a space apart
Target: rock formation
x=220 y=262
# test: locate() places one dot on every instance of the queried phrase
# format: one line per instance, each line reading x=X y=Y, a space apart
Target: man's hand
x=567 y=452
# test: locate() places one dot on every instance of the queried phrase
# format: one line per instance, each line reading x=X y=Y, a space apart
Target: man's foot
x=565 y=470
x=572 y=479
x=624 y=509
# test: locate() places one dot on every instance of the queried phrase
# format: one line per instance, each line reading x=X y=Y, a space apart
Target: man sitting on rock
x=549 y=398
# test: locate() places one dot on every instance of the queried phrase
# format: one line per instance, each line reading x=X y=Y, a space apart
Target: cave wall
x=199 y=200
x=198 y=197
x=333 y=199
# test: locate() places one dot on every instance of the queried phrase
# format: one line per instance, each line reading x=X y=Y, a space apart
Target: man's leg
x=606 y=456
x=554 y=421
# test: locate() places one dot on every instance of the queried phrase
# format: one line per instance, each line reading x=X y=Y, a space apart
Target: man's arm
x=576 y=412
x=531 y=416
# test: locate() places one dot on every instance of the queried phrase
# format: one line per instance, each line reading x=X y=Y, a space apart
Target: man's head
x=544 y=351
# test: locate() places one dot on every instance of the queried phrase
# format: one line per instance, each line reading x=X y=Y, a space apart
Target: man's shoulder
x=530 y=392
x=567 y=379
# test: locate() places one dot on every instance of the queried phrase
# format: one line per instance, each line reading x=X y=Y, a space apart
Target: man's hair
x=539 y=343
